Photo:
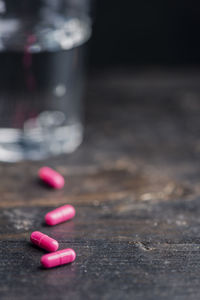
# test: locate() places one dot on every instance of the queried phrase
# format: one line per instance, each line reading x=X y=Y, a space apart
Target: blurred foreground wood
x=135 y=182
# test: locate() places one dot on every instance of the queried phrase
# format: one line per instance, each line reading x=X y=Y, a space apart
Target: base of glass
x=36 y=144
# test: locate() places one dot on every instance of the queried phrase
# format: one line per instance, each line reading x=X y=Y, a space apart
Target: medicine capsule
x=60 y=214
x=51 y=177
x=44 y=241
x=58 y=258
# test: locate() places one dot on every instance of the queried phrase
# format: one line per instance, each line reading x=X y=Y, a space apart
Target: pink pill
x=51 y=177
x=44 y=241
x=60 y=214
x=58 y=258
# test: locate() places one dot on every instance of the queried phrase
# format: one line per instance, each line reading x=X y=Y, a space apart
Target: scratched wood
x=135 y=185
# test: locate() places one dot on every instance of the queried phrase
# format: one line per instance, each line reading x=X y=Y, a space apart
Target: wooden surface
x=135 y=183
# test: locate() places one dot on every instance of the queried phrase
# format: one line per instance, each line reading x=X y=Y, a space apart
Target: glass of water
x=42 y=53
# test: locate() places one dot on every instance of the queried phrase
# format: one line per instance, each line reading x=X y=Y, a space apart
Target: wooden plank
x=135 y=185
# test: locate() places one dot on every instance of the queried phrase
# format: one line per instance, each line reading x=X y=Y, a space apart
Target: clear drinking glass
x=41 y=76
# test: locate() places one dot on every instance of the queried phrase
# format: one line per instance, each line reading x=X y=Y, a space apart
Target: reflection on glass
x=41 y=78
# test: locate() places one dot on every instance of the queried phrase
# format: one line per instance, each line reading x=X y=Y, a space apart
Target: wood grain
x=135 y=185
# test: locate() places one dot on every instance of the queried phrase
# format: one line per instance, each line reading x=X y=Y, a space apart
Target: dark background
x=145 y=32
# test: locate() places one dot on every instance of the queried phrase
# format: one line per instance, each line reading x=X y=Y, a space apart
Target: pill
x=58 y=258
x=51 y=177
x=60 y=214
x=44 y=241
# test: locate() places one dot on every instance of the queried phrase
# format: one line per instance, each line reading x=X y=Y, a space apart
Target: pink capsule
x=58 y=258
x=44 y=241
x=51 y=177
x=60 y=214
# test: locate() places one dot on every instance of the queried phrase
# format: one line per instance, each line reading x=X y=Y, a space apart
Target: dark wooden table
x=135 y=183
